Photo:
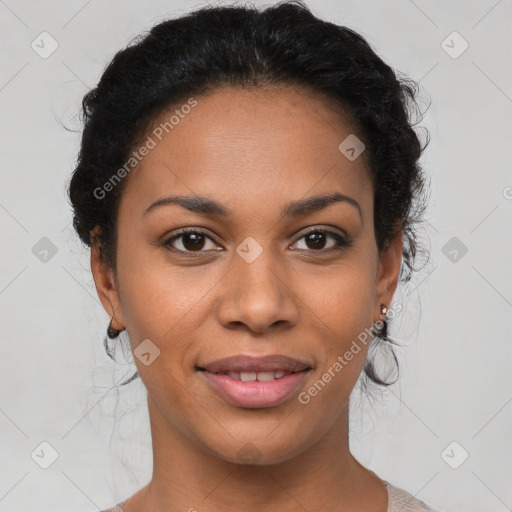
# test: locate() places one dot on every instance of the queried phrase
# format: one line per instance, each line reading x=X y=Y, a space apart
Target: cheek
x=164 y=303
x=158 y=302
x=344 y=317
x=341 y=296
x=340 y=308
x=157 y=296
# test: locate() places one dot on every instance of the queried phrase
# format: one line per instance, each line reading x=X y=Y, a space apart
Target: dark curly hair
x=285 y=44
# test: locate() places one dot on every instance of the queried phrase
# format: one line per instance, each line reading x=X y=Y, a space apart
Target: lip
x=255 y=394
x=246 y=363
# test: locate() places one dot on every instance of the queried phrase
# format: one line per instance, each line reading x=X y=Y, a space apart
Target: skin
x=254 y=151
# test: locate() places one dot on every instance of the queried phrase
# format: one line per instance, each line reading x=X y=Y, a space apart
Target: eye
x=316 y=239
x=189 y=241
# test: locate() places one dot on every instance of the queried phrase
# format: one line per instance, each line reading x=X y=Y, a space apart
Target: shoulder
x=398 y=501
x=117 y=508
x=401 y=501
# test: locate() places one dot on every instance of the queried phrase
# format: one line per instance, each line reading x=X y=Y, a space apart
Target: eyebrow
x=205 y=205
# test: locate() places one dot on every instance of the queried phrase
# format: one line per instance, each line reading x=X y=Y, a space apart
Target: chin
x=258 y=450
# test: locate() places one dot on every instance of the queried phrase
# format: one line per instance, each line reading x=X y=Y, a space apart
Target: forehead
x=244 y=146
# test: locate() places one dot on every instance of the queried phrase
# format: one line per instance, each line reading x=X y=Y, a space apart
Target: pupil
x=194 y=239
x=316 y=238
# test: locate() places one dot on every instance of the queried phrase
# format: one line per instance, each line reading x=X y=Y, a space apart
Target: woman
x=248 y=183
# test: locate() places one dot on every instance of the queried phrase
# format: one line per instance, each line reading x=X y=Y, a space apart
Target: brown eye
x=316 y=240
x=189 y=241
x=193 y=241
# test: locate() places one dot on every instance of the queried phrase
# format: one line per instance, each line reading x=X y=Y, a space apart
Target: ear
x=388 y=273
x=106 y=285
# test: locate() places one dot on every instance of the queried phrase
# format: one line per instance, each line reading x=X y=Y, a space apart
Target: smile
x=259 y=376
x=255 y=381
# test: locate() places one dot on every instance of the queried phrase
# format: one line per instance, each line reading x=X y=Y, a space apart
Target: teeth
x=259 y=376
x=264 y=376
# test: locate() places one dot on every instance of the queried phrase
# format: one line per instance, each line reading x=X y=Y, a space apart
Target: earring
x=111 y=332
x=383 y=310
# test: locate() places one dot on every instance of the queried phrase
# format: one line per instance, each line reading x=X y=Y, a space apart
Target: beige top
x=398 y=501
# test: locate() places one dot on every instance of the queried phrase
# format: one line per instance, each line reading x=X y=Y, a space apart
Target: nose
x=257 y=296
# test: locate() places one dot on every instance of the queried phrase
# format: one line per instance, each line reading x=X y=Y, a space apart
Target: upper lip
x=245 y=363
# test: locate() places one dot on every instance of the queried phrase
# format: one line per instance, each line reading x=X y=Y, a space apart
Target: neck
x=188 y=476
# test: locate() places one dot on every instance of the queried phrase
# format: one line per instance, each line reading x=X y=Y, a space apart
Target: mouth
x=246 y=365
x=255 y=382
x=248 y=376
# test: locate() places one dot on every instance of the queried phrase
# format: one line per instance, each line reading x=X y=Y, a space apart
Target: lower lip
x=255 y=394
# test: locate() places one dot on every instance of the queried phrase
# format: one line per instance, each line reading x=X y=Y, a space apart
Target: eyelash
x=341 y=242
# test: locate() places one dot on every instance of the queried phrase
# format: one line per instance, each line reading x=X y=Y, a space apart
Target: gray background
x=57 y=383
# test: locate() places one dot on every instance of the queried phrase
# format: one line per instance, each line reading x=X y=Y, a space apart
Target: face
x=261 y=272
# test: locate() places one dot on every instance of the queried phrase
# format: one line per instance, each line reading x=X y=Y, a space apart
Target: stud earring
x=383 y=310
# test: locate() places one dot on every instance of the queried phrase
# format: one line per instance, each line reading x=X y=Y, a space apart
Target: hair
x=243 y=47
